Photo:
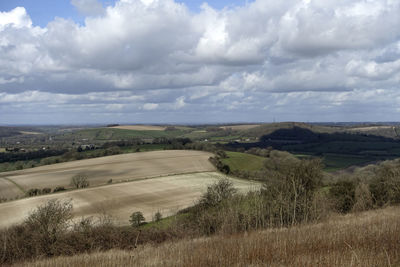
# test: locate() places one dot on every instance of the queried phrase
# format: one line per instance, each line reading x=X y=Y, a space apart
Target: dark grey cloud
x=299 y=60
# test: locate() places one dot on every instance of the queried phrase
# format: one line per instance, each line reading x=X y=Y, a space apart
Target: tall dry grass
x=370 y=238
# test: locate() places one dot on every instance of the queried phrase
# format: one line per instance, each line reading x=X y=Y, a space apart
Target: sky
x=165 y=61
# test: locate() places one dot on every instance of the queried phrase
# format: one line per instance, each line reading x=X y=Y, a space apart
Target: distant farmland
x=240 y=127
x=166 y=194
x=99 y=171
x=140 y=127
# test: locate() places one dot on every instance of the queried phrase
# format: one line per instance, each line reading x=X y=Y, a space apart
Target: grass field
x=2 y=149
x=240 y=127
x=334 y=162
x=107 y=134
x=243 y=161
x=119 y=168
x=364 y=239
x=167 y=194
x=140 y=127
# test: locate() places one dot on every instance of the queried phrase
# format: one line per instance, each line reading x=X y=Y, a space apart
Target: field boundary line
x=13 y=182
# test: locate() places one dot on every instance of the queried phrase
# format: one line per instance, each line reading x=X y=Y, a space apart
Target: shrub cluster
x=370 y=187
x=37 y=191
x=50 y=231
x=216 y=161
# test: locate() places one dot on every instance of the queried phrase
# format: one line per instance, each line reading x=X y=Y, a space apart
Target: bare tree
x=48 y=222
x=79 y=181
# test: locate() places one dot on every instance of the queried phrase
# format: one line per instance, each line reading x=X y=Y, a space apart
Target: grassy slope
x=166 y=194
x=118 y=134
x=366 y=239
x=243 y=161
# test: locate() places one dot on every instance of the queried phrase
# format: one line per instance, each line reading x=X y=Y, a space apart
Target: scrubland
x=369 y=238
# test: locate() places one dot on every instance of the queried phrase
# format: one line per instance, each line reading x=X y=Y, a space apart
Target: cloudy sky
x=165 y=61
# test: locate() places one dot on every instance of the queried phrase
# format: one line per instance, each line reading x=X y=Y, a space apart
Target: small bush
x=362 y=198
x=79 y=181
x=58 y=189
x=343 y=194
x=48 y=222
x=157 y=216
x=33 y=192
x=136 y=218
x=46 y=190
x=217 y=192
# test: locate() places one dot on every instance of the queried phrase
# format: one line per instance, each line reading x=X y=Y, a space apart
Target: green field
x=2 y=149
x=348 y=147
x=121 y=134
x=243 y=161
x=334 y=162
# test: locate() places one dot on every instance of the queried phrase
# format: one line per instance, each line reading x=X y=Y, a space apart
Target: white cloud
x=162 y=57
x=17 y=18
x=150 y=106
x=179 y=103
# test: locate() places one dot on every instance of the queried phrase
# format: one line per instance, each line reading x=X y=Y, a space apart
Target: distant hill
x=9 y=131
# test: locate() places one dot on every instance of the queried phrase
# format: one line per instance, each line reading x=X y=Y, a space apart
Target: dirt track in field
x=9 y=190
x=167 y=194
x=119 y=168
x=140 y=127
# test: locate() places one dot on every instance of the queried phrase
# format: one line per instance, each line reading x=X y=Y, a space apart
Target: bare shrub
x=217 y=192
x=385 y=186
x=343 y=194
x=157 y=216
x=48 y=222
x=290 y=193
x=79 y=181
x=363 y=198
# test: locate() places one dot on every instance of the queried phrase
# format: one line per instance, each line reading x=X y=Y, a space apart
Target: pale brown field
x=370 y=128
x=240 y=127
x=119 y=168
x=167 y=194
x=9 y=190
x=140 y=127
x=367 y=239
x=2 y=149
x=29 y=132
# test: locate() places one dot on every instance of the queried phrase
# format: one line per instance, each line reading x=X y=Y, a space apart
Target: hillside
x=99 y=171
x=166 y=194
x=242 y=161
x=363 y=239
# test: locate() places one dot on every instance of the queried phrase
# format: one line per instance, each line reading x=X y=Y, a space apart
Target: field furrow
x=166 y=194
x=99 y=171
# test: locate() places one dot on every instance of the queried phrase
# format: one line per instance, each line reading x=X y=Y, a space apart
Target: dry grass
x=370 y=128
x=367 y=239
x=166 y=194
x=118 y=168
x=140 y=127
